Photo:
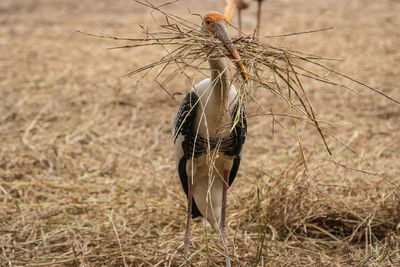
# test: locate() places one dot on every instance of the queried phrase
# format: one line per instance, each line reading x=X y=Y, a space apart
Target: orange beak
x=222 y=34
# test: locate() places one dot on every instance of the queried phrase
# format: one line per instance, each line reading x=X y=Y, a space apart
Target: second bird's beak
x=222 y=34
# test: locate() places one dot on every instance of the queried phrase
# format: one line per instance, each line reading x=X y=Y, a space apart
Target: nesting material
x=280 y=71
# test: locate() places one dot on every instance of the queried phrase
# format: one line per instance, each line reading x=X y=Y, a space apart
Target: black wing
x=184 y=181
x=184 y=120
x=240 y=132
x=184 y=124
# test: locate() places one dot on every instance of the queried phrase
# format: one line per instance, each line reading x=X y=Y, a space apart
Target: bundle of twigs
x=278 y=70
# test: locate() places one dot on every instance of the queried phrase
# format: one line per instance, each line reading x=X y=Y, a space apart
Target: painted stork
x=241 y=4
x=208 y=140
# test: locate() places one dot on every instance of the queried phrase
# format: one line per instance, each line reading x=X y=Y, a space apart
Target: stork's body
x=207 y=146
x=205 y=137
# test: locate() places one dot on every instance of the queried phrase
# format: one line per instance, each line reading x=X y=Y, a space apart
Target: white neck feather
x=220 y=76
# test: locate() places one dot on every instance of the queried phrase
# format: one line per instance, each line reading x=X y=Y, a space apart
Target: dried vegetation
x=86 y=170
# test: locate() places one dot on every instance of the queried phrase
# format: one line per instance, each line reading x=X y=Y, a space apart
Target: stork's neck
x=220 y=76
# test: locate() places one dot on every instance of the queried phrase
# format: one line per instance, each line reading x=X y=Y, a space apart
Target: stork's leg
x=239 y=18
x=259 y=18
x=189 y=214
x=223 y=216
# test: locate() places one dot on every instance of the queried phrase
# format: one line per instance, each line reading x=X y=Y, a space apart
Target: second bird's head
x=215 y=24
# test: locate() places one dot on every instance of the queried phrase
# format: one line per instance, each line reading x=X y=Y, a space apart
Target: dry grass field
x=87 y=173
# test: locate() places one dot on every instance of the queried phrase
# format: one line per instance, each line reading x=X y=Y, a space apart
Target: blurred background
x=86 y=153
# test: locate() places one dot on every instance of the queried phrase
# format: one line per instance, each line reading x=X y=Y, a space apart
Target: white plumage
x=209 y=133
x=214 y=121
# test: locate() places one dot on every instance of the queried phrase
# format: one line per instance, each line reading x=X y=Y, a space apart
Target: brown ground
x=87 y=174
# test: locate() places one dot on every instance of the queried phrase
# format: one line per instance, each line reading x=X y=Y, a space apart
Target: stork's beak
x=222 y=34
x=230 y=9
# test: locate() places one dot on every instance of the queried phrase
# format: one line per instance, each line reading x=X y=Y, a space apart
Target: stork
x=208 y=139
x=241 y=4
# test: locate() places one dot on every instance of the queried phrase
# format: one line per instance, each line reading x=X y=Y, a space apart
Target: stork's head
x=214 y=23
